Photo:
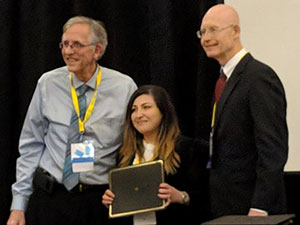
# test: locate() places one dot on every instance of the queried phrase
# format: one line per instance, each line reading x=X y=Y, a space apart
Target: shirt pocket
x=108 y=131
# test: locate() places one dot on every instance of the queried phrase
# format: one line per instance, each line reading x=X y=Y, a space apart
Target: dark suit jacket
x=192 y=177
x=250 y=142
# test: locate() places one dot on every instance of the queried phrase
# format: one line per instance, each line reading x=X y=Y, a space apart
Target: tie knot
x=221 y=82
x=82 y=89
x=222 y=75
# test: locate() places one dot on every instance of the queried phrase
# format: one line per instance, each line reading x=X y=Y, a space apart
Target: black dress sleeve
x=192 y=177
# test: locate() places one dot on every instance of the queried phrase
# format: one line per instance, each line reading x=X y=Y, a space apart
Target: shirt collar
x=231 y=64
x=91 y=82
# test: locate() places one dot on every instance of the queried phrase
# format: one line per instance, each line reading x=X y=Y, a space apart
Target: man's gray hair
x=99 y=34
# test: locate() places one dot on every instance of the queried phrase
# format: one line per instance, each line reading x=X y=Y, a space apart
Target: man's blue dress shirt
x=44 y=136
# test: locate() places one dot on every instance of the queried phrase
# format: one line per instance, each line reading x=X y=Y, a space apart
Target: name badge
x=82 y=156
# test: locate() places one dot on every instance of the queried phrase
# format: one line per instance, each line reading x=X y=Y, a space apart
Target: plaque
x=136 y=188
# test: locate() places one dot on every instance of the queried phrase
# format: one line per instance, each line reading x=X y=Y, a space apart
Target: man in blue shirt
x=45 y=139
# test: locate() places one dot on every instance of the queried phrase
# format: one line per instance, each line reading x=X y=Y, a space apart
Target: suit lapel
x=230 y=85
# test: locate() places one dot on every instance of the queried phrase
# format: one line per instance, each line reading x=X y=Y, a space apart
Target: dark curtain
x=153 y=41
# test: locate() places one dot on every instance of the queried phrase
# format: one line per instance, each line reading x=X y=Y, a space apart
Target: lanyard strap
x=213 y=115
x=212 y=131
x=91 y=105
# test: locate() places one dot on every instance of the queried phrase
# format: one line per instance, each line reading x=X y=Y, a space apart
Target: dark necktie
x=71 y=179
x=221 y=82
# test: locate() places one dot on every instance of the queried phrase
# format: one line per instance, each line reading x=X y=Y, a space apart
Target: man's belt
x=45 y=181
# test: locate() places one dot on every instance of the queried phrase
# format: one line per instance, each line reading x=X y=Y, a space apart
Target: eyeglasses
x=74 y=45
x=211 y=30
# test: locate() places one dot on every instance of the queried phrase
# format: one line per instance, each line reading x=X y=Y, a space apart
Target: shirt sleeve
x=31 y=145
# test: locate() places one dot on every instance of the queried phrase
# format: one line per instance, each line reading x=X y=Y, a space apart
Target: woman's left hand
x=169 y=193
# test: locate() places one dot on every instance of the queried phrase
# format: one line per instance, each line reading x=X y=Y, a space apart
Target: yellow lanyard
x=137 y=161
x=91 y=105
x=213 y=115
x=212 y=130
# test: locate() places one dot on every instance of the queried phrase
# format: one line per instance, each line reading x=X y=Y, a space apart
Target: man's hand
x=17 y=217
x=253 y=212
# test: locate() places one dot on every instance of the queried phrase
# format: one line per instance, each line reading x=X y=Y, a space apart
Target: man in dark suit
x=249 y=138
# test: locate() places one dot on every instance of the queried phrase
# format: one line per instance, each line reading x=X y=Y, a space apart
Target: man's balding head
x=224 y=13
x=220 y=33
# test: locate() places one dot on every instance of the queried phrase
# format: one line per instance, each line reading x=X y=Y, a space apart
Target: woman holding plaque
x=152 y=133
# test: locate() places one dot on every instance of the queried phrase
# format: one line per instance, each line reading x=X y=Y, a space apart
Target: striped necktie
x=70 y=179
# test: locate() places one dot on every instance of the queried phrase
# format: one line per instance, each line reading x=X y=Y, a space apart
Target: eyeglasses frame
x=61 y=45
x=211 y=31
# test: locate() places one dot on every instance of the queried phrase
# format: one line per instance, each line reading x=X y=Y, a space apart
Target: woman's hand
x=253 y=212
x=107 y=197
x=170 y=194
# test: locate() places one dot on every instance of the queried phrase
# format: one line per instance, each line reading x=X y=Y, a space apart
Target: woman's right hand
x=107 y=197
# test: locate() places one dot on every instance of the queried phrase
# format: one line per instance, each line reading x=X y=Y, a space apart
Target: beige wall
x=271 y=32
